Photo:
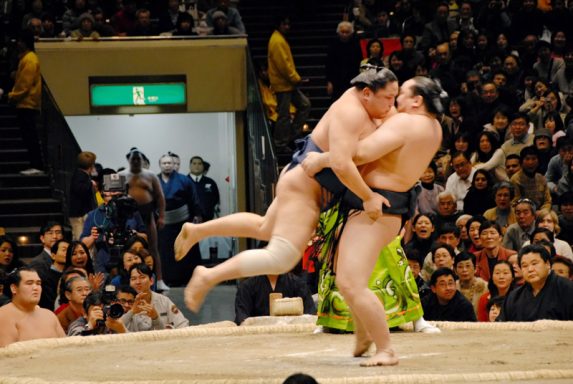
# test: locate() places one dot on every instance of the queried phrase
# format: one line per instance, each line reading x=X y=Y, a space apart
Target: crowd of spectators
x=81 y=19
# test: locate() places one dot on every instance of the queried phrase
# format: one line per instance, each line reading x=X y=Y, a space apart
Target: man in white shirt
x=459 y=182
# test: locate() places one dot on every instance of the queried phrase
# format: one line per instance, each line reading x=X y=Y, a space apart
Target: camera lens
x=115 y=311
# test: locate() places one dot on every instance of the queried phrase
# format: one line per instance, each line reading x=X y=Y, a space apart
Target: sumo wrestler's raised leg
x=358 y=251
x=241 y=224
x=297 y=210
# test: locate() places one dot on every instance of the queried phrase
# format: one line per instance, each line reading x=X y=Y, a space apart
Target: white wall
x=209 y=135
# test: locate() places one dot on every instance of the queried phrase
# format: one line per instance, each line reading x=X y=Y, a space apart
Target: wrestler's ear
x=366 y=93
x=418 y=101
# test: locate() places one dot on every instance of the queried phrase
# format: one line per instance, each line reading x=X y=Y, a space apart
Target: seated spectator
x=413 y=257
x=460 y=181
x=544 y=294
x=520 y=139
x=529 y=183
x=51 y=279
x=553 y=123
x=184 y=27
x=150 y=310
x=411 y=57
x=169 y=18
x=489 y=156
x=23 y=319
x=442 y=255
x=384 y=26
x=494 y=308
x=499 y=125
x=49 y=234
x=519 y=233
x=447 y=209
x=492 y=252
x=252 y=297
x=102 y=25
x=422 y=236
x=232 y=15
x=557 y=166
x=48 y=26
x=428 y=197
x=124 y=20
x=71 y=18
x=545 y=150
x=565 y=183
x=562 y=266
x=8 y=257
x=221 y=25
x=566 y=217
x=62 y=301
x=76 y=290
x=126 y=297
x=502 y=213
x=143 y=25
x=479 y=197
x=501 y=283
x=465 y=242
x=469 y=285
x=549 y=220
x=512 y=164
x=95 y=321
x=473 y=226
x=445 y=303
x=86 y=30
x=78 y=256
x=129 y=257
x=375 y=54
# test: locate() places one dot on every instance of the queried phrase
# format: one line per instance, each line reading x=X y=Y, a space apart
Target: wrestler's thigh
x=361 y=243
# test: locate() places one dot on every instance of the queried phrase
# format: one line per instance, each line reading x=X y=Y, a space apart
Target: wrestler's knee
x=284 y=254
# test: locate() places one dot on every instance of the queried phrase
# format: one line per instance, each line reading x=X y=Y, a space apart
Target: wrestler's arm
x=8 y=330
x=344 y=132
x=381 y=142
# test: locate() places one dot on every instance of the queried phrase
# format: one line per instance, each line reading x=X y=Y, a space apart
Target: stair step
x=13 y=154
x=13 y=166
x=16 y=180
x=7 y=131
x=29 y=219
x=25 y=192
x=11 y=143
x=37 y=205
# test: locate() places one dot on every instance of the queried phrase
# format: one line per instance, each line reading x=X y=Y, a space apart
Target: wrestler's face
x=135 y=162
x=534 y=268
x=381 y=101
x=29 y=290
x=406 y=98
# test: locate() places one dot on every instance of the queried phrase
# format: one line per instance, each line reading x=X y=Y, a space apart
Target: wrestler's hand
x=373 y=205
x=313 y=163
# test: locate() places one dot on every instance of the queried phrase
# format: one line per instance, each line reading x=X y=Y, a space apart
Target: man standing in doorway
x=284 y=81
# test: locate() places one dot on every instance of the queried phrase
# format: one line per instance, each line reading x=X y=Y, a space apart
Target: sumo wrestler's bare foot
x=185 y=241
x=197 y=289
x=385 y=358
x=363 y=342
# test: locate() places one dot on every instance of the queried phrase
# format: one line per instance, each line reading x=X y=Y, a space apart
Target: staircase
x=311 y=33
x=26 y=202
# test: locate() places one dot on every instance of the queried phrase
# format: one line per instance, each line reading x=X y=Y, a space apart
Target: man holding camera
x=150 y=310
x=99 y=319
x=104 y=223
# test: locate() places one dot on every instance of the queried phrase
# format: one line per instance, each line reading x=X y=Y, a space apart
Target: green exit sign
x=132 y=94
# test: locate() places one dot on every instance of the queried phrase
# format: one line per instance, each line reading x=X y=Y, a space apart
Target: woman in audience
x=462 y=142
x=423 y=235
x=479 y=197
x=375 y=51
x=465 y=242
x=428 y=196
x=554 y=124
x=489 y=156
x=128 y=259
x=8 y=255
x=546 y=218
x=468 y=284
x=77 y=256
x=473 y=227
x=501 y=283
x=499 y=124
x=562 y=266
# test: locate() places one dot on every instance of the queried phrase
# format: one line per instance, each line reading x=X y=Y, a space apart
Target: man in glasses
x=23 y=319
x=50 y=233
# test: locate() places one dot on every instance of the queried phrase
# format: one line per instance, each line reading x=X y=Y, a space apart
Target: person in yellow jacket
x=284 y=81
x=26 y=96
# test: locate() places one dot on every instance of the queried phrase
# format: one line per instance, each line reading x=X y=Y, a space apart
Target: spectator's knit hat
x=219 y=14
x=543 y=132
x=88 y=16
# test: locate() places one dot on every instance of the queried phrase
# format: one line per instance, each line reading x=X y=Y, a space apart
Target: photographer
x=109 y=226
x=150 y=310
x=103 y=317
